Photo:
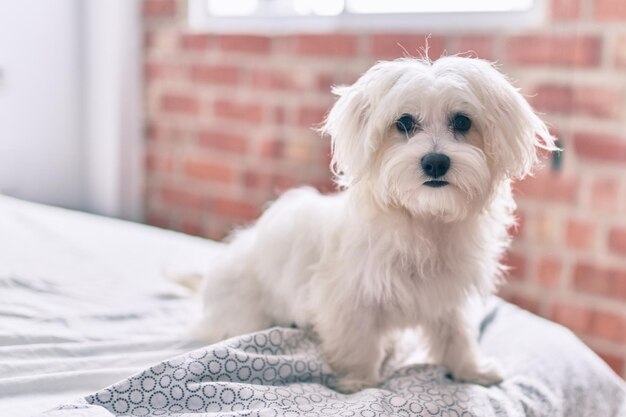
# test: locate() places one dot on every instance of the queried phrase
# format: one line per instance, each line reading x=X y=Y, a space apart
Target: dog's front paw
x=486 y=372
x=350 y=384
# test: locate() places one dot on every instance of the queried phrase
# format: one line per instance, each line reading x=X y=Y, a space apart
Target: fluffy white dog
x=425 y=152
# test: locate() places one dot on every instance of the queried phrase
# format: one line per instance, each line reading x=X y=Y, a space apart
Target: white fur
x=389 y=253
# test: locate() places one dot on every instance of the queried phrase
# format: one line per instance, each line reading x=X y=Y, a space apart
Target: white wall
x=113 y=120
x=40 y=102
x=70 y=115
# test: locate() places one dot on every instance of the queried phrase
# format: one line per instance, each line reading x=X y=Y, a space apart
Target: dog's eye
x=461 y=123
x=406 y=123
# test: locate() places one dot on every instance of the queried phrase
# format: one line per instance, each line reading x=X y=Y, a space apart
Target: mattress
x=90 y=325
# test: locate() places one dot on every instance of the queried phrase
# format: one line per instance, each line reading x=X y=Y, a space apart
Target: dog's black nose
x=435 y=165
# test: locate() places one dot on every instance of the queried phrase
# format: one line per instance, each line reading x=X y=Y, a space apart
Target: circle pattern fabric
x=281 y=372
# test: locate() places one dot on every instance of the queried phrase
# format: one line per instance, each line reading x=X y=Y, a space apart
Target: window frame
x=199 y=20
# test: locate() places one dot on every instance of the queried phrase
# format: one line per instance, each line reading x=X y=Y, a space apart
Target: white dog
x=425 y=152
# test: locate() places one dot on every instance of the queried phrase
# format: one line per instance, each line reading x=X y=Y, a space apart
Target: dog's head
x=434 y=138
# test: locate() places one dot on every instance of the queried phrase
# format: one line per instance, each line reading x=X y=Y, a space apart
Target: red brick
x=274 y=79
x=194 y=41
x=192 y=225
x=584 y=100
x=617 y=240
x=565 y=9
x=325 y=82
x=164 y=41
x=182 y=198
x=164 y=133
x=153 y=71
x=280 y=115
x=161 y=164
x=579 y=234
x=480 y=46
x=222 y=141
x=615 y=362
x=180 y=103
x=249 y=112
x=599 y=147
x=311 y=116
x=577 y=318
x=549 y=272
x=338 y=45
x=235 y=208
x=153 y=131
x=525 y=302
x=156 y=71
x=604 y=194
x=553 y=98
x=148 y=40
x=159 y=8
x=608 y=326
x=517 y=266
x=271 y=148
x=191 y=228
x=609 y=10
x=620 y=51
x=600 y=280
x=270 y=182
x=591 y=279
x=211 y=171
x=597 y=101
x=245 y=43
x=395 y=45
x=549 y=186
x=214 y=74
x=557 y=50
x=158 y=220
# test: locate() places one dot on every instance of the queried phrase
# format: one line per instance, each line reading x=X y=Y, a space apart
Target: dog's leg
x=228 y=318
x=453 y=343
x=353 y=348
x=233 y=303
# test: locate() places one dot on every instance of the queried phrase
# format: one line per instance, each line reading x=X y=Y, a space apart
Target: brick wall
x=229 y=126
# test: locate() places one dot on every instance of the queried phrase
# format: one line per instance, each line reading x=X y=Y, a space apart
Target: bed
x=91 y=326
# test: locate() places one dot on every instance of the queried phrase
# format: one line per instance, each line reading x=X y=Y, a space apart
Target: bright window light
x=319 y=16
x=336 y=7
x=319 y=7
x=232 y=8
x=438 y=6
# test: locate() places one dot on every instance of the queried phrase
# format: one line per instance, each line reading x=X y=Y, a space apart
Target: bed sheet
x=90 y=326
x=84 y=302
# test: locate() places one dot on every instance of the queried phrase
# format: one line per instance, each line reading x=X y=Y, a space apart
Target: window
x=289 y=16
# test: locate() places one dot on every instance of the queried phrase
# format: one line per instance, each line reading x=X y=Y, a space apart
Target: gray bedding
x=280 y=372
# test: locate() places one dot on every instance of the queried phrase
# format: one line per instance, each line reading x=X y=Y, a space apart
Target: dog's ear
x=347 y=125
x=513 y=132
x=355 y=123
